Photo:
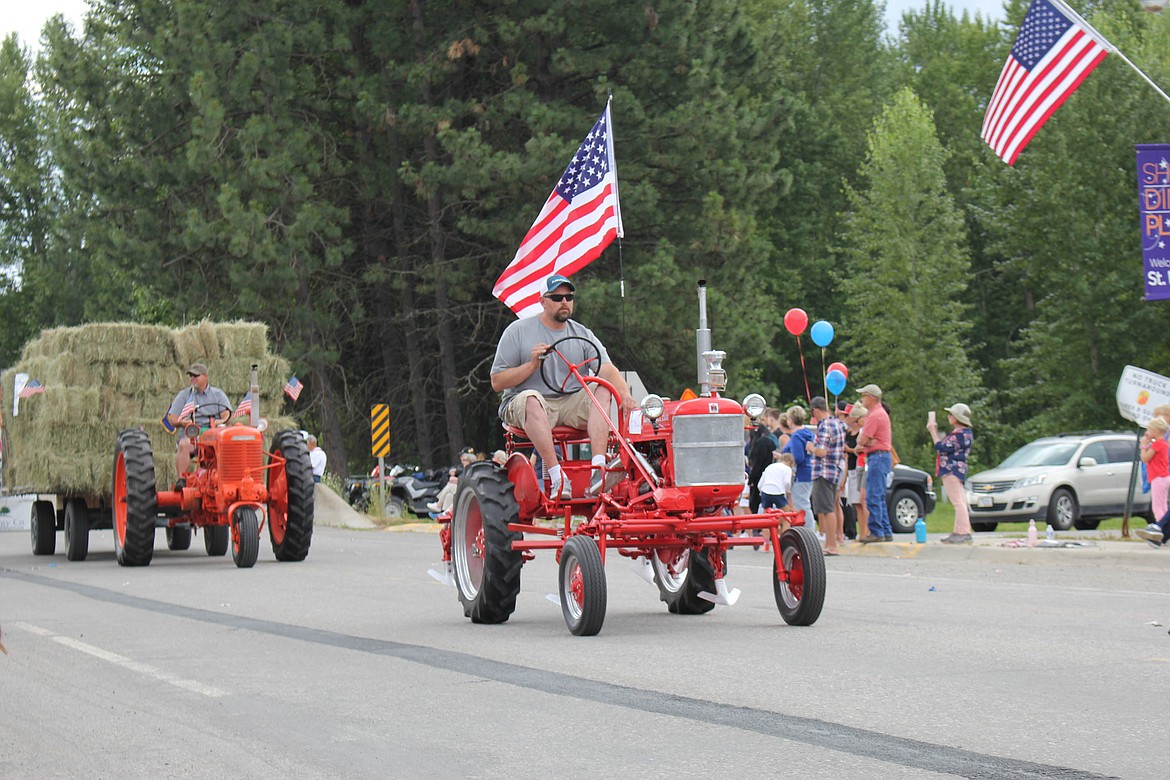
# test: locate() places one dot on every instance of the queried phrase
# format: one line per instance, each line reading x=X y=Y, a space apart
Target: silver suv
x=1070 y=480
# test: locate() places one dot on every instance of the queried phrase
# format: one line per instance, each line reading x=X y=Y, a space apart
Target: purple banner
x=1153 y=173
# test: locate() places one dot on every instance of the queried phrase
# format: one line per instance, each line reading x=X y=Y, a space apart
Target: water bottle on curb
x=920 y=531
x=1049 y=534
x=1032 y=540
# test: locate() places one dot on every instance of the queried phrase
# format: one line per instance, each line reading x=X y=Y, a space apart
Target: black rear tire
x=246 y=537
x=801 y=598
x=680 y=587
x=1063 y=511
x=216 y=539
x=977 y=526
x=584 y=594
x=487 y=569
x=42 y=528
x=76 y=529
x=135 y=499
x=905 y=507
x=179 y=537
x=291 y=499
x=1086 y=525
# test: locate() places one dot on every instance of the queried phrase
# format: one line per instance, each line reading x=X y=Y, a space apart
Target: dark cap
x=818 y=402
x=555 y=281
x=197 y=369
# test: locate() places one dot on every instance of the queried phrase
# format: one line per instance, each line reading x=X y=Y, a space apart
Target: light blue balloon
x=822 y=333
x=835 y=382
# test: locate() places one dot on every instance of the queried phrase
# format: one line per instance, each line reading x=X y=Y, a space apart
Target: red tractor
x=228 y=496
x=675 y=470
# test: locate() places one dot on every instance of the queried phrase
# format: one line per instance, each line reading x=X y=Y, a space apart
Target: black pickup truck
x=909 y=496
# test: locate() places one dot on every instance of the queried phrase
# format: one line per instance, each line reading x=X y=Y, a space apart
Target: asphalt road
x=969 y=663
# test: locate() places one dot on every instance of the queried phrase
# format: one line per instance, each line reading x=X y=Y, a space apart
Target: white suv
x=1070 y=480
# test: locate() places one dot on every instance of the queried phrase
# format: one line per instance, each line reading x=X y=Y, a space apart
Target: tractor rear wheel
x=179 y=537
x=681 y=575
x=76 y=529
x=487 y=569
x=290 y=498
x=43 y=528
x=801 y=598
x=245 y=537
x=584 y=594
x=215 y=540
x=135 y=499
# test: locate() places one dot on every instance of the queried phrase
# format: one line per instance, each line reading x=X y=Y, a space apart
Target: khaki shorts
x=854 y=484
x=571 y=410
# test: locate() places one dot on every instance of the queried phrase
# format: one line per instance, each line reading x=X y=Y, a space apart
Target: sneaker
x=1151 y=535
x=875 y=539
x=180 y=483
x=957 y=539
x=434 y=507
x=597 y=480
x=1154 y=530
x=564 y=489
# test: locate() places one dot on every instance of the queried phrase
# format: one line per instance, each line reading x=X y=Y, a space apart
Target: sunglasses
x=558 y=297
x=193 y=375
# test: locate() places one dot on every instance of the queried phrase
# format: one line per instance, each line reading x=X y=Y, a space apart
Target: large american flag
x=579 y=220
x=31 y=388
x=1054 y=52
x=293 y=387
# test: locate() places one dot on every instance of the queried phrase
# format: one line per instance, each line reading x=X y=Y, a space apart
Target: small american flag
x=579 y=220
x=1054 y=52
x=245 y=406
x=188 y=410
x=32 y=388
x=293 y=387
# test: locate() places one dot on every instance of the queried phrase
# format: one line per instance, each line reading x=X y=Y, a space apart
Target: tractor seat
x=561 y=433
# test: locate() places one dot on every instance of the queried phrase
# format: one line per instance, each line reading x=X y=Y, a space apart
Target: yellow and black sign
x=380 y=429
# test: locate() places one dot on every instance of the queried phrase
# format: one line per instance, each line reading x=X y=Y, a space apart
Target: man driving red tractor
x=528 y=401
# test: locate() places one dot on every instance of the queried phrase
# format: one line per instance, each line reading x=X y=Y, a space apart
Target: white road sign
x=1139 y=391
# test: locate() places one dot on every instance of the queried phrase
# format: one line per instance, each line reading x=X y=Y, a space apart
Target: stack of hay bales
x=102 y=378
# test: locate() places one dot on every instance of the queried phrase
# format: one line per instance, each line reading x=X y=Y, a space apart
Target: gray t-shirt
x=516 y=349
x=205 y=404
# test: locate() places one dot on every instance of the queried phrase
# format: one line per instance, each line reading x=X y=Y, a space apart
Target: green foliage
x=904 y=270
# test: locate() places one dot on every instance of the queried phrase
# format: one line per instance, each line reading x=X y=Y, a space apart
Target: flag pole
x=1101 y=39
x=621 y=231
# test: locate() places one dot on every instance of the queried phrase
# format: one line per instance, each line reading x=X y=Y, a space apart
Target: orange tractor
x=675 y=470
x=234 y=487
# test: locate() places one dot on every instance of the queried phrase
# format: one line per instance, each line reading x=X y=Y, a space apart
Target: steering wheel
x=211 y=409
x=588 y=367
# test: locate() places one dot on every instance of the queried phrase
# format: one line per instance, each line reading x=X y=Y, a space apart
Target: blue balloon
x=822 y=333
x=835 y=382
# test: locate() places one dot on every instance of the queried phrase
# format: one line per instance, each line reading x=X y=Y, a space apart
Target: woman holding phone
x=953 y=450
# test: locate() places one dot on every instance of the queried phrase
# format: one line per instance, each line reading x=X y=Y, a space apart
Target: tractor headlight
x=191 y=431
x=754 y=405
x=653 y=406
x=262 y=425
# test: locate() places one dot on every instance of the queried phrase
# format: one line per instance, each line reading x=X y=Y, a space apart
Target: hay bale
x=105 y=377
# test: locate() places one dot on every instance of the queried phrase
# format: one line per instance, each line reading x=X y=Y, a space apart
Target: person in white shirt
x=776 y=481
x=317 y=458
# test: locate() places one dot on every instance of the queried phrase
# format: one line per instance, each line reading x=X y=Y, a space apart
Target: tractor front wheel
x=135 y=499
x=76 y=529
x=245 y=537
x=681 y=574
x=290 y=498
x=801 y=598
x=487 y=569
x=584 y=594
x=215 y=540
x=43 y=528
x=179 y=537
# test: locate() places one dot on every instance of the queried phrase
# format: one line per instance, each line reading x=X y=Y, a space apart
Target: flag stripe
x=1053 y=98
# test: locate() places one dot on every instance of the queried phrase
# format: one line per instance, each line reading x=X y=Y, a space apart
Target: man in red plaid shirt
x=828 y=451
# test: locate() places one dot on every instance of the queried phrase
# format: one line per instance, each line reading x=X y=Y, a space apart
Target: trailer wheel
x=179 y=537
x=801 y=598
x=487 y=569
x=215 y=540
x=290 y=498
x=681 y=575
x=583 y=590
x=76 y=529
x=135 y=499
x=245 y=537
x=42 y=528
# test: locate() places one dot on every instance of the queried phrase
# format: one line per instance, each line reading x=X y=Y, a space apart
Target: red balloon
x=839 y=367
x=796 y=321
